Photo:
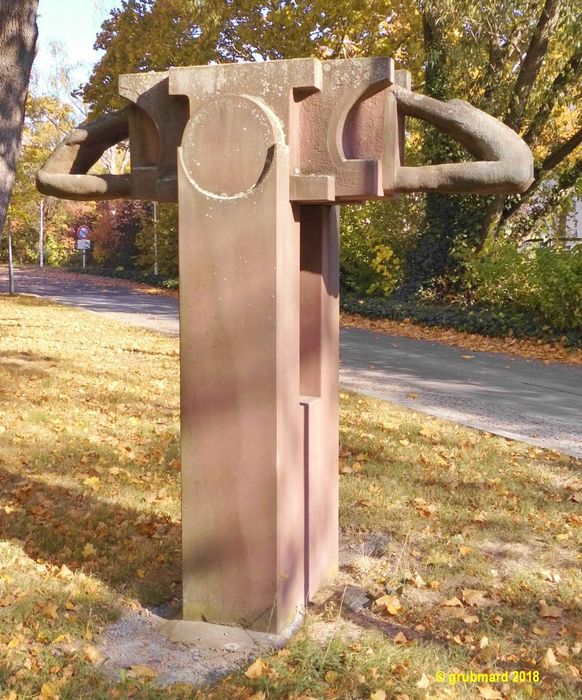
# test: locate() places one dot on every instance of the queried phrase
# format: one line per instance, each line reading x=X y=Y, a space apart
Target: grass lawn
x=467 y=545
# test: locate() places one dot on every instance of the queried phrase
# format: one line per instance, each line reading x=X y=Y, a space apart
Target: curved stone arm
x=505 y=162
x=63 y=173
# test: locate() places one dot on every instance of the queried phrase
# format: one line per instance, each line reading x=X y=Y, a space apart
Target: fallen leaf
x=483 y=642
x=464 y=550
x=390 y=603
x=418 y=581
x=470 y=619
x=91 y=653
x=424 y=682
x=378 y=695
x=50 y=610
x=451 y=603
x=49 y=691
x=400 y=638
x=541 y=631
x=563 y=650
x=549 y=610
x=475 y=598
x=549 y=659
x=89 y=551
x=92 y=482
x=489 y=693
x=468 y=357
x=424 y=507
x=255 y=670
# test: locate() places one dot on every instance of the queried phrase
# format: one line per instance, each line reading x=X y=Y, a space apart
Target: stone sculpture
x=258 y=155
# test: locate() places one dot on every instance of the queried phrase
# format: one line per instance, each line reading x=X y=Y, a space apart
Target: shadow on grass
x=133 y=551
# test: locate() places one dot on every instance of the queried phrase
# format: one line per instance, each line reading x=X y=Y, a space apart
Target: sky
x=74 y=24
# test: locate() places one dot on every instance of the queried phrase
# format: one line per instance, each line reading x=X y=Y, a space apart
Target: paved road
x=522 y=399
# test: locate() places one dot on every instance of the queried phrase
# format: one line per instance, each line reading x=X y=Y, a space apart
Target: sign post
x=83 y=242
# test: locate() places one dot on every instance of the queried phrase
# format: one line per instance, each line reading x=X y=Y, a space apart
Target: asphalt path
x=518 y=398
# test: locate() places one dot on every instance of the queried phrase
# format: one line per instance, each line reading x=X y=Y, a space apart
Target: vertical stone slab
x=242 y=499
x=319 y=355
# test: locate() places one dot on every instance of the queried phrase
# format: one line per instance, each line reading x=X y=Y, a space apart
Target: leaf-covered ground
x=521 y=347
x=462 y=548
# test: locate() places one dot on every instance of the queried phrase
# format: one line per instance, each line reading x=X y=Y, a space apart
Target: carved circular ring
x=228 y=146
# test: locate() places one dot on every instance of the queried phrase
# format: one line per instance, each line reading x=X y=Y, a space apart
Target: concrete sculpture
x=258 y=155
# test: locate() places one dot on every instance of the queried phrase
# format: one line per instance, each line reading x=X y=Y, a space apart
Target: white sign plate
x=83 y=244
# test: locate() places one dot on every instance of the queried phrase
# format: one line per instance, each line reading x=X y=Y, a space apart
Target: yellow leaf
x=89 y=551
x=141 y=671
x=92 y=482
x=49 y=691
x=50 y=610
x=400 y=638
x=540 y=631
x=489 y=693
x=464 y=550
x=424 y=682
x=390 y=603
x=549 y=610
x=141 y=573
x=255 y=670
x=378 y=695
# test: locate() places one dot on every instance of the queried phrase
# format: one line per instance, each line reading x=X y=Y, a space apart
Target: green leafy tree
x=521 y=62
x=47 y=121
x=517 y=59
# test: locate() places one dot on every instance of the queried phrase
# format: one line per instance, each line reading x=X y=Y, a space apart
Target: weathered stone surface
x=257 y=155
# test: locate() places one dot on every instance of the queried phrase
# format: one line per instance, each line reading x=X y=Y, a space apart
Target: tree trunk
x=18 y=33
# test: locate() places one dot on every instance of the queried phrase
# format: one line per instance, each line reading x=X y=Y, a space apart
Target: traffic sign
x=83 y=232
x=83 y=244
